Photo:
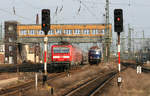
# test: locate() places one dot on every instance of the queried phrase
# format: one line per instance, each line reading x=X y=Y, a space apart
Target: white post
x=36 y=81
x=139 y=69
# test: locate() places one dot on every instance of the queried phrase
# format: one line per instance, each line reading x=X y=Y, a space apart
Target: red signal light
x=118 y=19
x=43 y=25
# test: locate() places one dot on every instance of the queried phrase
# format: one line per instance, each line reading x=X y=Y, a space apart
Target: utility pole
x=129 y=42
x=1 y=32
x=133 y=44
x=123 y=44
x=35 y=44
x=143 y=38
x=107 y=34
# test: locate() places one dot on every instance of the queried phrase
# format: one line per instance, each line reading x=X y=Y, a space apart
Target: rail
x=91 y=86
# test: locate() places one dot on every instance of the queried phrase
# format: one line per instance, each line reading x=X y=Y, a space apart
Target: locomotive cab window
x=94 y=52
x=61 y=50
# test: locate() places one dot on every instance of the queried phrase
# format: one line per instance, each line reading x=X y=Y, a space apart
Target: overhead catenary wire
x=14 y=11
x=82 y=3
x=56 y=10
x=79 y=8
x=118 y=3
x=61 y=9
x=91 y=12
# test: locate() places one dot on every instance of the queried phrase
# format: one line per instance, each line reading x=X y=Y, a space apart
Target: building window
x=10 y=48
x=23 y=32
x=94 y=31
x=6 y=59
x=86 y=31
x=11 y=61
x=31 y=32
x=103 y=31
x=2 y=48
x=99 y=31
x=40 y=32
x=58 y=31
x=69 y=32
x=31 y=49
x=77 y=31
x=10 y=39
x=10 y=28
x=51 y=32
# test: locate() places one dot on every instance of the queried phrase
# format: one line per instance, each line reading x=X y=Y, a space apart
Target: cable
x=91 y=12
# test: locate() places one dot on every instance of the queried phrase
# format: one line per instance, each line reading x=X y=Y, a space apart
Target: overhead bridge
x=19 y=35
x=75 y=33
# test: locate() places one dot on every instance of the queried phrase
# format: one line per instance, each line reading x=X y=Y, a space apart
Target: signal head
x=118 y=20
x=45 y=20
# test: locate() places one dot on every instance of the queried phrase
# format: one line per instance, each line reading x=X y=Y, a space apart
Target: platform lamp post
x=45 y=27
x=118 y=27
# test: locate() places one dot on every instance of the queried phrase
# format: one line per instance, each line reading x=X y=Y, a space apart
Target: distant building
x=16 y=53
x=2 y=53
x=10 y=42
x=30 y=53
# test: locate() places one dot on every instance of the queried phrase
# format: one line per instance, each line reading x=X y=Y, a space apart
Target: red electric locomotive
x=65 y=56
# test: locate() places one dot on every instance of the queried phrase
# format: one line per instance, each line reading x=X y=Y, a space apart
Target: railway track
x=146 y=69
x=21 y=88
x=92 y=87
x=134 y=66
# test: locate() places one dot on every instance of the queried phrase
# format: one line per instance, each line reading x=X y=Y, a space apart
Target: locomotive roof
x=95 y=49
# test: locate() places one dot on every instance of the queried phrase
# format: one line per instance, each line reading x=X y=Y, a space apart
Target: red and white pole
x=45 y=54
x=119 y=65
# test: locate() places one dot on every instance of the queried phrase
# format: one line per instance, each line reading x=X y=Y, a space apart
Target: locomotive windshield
x=61 y=50
x=94 y=52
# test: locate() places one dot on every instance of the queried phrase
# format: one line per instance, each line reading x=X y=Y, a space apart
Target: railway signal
x=118 y=20
x=45 y=27
x=45 y=20
x=118 y=27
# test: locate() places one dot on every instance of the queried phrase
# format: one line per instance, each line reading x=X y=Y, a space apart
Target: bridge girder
x=58 y=39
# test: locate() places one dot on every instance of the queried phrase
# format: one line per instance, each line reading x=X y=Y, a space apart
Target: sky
x=135 y=12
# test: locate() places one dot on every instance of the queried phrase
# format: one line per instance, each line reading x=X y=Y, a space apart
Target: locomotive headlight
x=56 y=56
x=97 y=52
x=66 y=56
